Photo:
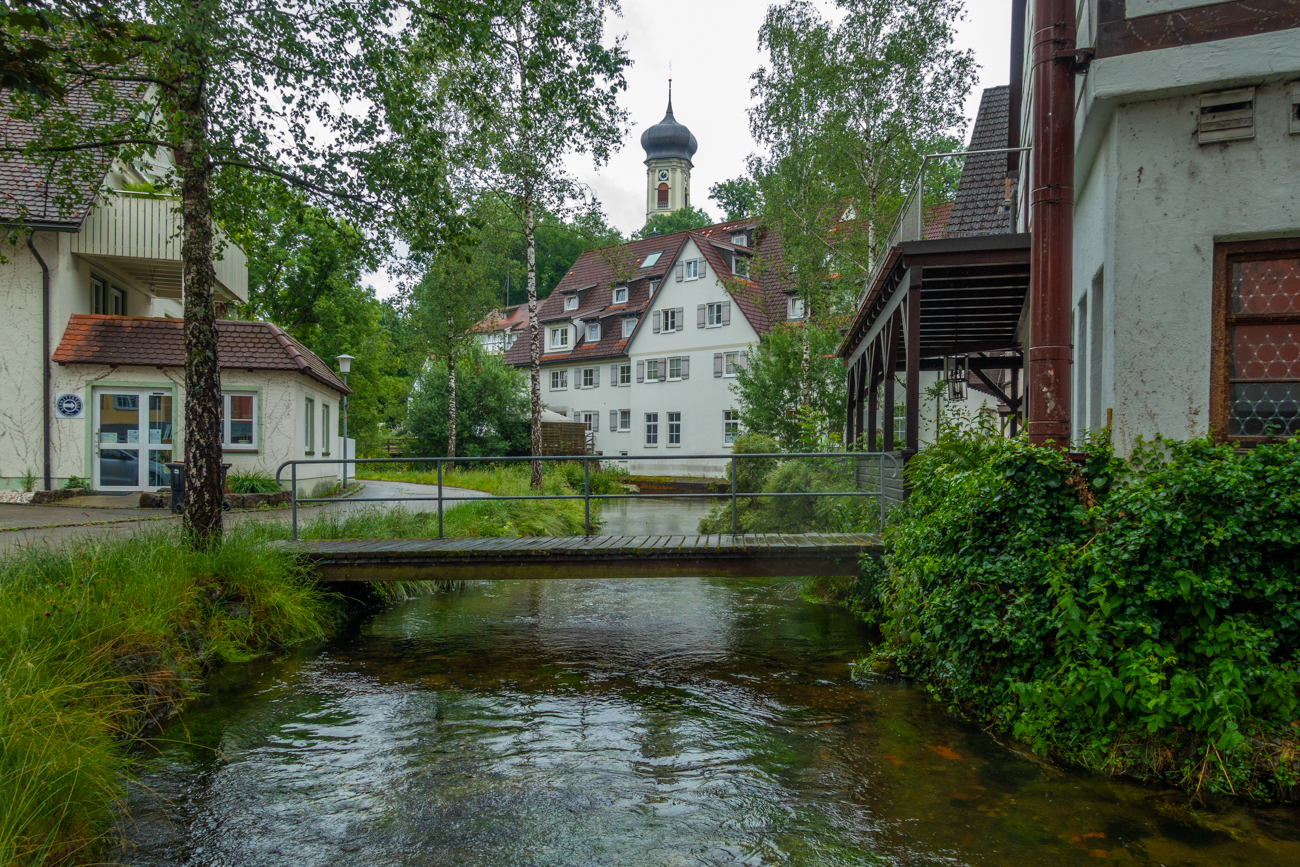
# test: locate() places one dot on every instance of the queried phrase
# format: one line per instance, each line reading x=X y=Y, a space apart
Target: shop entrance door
x=133 y=439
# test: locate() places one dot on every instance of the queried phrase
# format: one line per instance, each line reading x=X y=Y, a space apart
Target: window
x=309 y=431
x=1256 y=391
x=238 y=415
x=662 y=200
x=652 y=370
x=107 y=299
x=730 y=426
x=740 y=240
x=593 y=332
x=730 y=361
x=713 y=315
x=669 y=319
x=675 y=368
x=559 y=380
x=740 y=266
x=326 y=435
x=625 y=375
x=654 y=284
x=651 y=260
x=571 y=303
x=589 y=377
x=620 y=294
x=559 y=338
x=589 y=419
x=117 y=298
x=652 y=428
x=629 y=325
x=674 y=428
x=624 y=419
x=692 y=270
x=795 y=309
x=98 y=295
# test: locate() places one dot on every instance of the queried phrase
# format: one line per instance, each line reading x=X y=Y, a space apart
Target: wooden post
x=873 y=401
x=912 y=343
x=890 y=347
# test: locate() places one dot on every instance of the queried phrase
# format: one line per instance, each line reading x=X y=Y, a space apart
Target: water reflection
x=648 y=722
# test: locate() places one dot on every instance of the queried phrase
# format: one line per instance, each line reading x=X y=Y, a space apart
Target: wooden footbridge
x=777 y=556
x=593 y=556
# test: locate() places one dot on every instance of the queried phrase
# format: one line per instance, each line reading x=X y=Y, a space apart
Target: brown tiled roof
x=982 y=189
x=143 y=341
x=935 y=224
x=596 y=272
x=513 y=318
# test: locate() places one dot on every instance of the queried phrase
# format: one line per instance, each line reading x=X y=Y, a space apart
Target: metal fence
x=885 y=476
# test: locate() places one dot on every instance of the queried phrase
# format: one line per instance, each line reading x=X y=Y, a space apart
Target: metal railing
x=888 y=463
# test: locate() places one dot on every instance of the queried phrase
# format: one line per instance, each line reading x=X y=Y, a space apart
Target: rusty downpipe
x=1051 y=212
x=48 y=397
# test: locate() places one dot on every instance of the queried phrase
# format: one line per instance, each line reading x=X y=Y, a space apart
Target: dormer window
x=740 y=266
x=620 y=294
x=593 y=332
x=795 y=309
x=559 y=338
x=651 y=260
x=571 y=303
x=629 y=325
x=740 y=240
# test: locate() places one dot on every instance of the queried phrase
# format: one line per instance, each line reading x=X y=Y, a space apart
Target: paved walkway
x=97 y=516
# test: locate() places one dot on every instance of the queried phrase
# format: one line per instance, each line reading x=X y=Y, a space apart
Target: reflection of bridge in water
x=872 y=476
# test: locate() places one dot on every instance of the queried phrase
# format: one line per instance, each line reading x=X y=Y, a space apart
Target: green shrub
x=1137 y=616
x=252 y=482
x=75 y=482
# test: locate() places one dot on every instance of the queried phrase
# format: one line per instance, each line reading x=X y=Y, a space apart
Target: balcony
x=139 y=235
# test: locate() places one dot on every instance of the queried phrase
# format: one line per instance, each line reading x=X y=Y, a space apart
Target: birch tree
x=545 y=87
x=279 y=87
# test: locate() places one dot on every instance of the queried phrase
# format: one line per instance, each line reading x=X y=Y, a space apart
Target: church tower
x=669 y=147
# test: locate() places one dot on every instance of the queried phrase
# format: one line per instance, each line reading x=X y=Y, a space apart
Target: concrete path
x=24 y=525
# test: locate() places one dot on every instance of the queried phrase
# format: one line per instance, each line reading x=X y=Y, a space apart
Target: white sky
x=712 y=48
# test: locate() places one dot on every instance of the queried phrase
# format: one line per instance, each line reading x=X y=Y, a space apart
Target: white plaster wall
x=600 y=399
x=21 y=397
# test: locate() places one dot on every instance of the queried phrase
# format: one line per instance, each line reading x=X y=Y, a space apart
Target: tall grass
x=101 y=638
x=499 y=478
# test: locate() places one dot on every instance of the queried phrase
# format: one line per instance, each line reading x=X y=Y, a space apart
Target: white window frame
x=691 y=269
x=588 y=377
x=666 y=316
x=325 y=428
x=676 y=360
x=620 y=294
x=571 y=302
x=226 y=444
x=625 y=378
x=561 y=377
x=309 y=429
x=648 y=376
x=674 y=429
x=730 y=427
x=730 y=363
x=741 y=266
x=560 y=338
x=651 y=260
x=624 y=420
x=713 y=315
x=593 y=332
x=652 y=430
x=629 y=325
x=795 y=308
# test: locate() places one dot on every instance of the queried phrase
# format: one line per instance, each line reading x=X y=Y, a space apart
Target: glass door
x=132 y=438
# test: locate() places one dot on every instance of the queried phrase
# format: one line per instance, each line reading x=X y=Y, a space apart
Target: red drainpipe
x=1051 y=205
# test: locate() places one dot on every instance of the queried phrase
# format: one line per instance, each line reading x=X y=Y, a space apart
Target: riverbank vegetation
x=1136 y=616
x=503 y=479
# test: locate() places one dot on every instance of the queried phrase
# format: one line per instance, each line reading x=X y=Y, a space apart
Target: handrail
x=587 y=496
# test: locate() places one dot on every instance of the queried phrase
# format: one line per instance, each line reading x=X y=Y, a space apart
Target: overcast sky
x=710 y=48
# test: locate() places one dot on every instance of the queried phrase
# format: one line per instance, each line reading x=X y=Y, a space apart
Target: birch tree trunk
x=451 y=396
x=534 y=337
x=204 y=490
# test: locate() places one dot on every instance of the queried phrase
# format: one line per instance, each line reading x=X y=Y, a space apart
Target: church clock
x=663 y=175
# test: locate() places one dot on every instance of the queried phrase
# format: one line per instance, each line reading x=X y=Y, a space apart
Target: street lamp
x=345 y=364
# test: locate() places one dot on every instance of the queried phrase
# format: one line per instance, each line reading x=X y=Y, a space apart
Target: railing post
x=586 y=494
x=439 y=499
x=293 y=497
x=882 y=493
x=733 y=494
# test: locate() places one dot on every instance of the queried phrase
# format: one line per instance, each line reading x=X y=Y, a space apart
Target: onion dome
x=668 y=139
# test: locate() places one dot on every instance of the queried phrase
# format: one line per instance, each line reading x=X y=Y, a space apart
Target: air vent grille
x=1226 y=116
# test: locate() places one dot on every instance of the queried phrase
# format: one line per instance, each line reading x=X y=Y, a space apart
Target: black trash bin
x=177 y=469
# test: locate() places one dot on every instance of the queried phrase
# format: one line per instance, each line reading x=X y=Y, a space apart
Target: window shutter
x=726 y=312
x=704 y=269
x=640 y=371
x=686 y=367
x=613 y=375
x=595 y=422
x=577 y=416
x=717 y=364
x=613 y=419
x=680 y=269
x=595 y=377
x=699 y=315
x=577 y=377
x=681 y=321
x=654 y=322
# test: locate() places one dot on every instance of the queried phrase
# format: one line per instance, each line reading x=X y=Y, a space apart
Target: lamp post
x=345 y=364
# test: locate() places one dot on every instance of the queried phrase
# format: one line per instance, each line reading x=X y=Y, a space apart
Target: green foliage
x=501 y=479
x=679 y=220
x=75 y=482
x=492 y=408
x=1137 y=616
x=27 y=481
x=769 y=390
x=252 y=482
x=739 y=198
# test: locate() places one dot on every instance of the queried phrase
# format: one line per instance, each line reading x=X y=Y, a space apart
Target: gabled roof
x=511 y=319
x=977 y=209
x=143 y=341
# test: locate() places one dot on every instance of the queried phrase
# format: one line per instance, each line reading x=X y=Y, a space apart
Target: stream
x=629 y=722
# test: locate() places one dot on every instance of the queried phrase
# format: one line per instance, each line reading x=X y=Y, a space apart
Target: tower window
x=663 y=195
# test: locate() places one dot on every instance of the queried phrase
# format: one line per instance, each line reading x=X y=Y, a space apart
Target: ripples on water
x=645 y=722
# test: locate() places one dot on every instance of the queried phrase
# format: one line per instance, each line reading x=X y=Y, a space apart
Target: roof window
x=571 y=303
x=651 y=259
x=1226 y=116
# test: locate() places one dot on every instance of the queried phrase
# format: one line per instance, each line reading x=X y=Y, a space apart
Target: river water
x=629 y=722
